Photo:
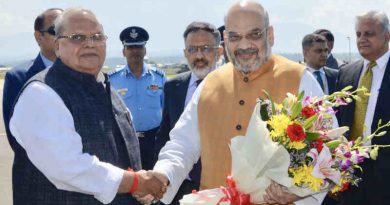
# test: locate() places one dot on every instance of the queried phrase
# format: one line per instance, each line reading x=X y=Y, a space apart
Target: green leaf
x=300 y=96
x=264 y=112
x=311 y=136
x=296 y=110
x=381 y=134
x=309 y=122
x=272 y=102
x=347 y=88
x=333 y=144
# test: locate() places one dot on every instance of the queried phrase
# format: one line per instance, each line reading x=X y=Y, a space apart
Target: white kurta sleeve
x=178 y=156
x=44 y=127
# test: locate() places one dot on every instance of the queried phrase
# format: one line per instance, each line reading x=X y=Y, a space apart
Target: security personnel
x=141 y=88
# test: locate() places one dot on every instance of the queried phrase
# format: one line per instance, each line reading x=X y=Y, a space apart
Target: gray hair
x=376 y=16
x=204 y=26
x=61 y=20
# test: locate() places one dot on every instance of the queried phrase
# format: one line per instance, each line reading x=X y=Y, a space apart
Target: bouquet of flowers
x=296 y=145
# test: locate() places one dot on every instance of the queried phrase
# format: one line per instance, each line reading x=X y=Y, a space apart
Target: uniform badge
x=154 y=87
x=133 y=34
x=122 y=91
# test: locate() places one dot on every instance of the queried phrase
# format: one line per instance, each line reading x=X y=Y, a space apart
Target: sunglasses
x=49 y=30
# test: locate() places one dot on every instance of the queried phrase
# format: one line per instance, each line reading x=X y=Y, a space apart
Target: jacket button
x=238 y=127
x=246 y=79
x=241 y=102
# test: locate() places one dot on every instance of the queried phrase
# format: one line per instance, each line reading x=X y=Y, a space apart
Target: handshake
x=146 y=186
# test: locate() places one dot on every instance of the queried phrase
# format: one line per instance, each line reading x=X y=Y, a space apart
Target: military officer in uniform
x=141 y=88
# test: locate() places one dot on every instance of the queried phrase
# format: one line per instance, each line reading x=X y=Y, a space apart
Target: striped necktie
x=361 y=106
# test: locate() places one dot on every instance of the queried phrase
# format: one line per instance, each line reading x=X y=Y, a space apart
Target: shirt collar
x=193 y=79
x=381 y=62
x=145 y=70
x=312 y=70
x=46 y=61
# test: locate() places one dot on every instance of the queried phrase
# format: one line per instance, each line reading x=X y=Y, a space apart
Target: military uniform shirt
x=143 y=96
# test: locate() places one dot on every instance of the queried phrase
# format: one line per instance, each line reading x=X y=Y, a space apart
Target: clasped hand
x=151 y=186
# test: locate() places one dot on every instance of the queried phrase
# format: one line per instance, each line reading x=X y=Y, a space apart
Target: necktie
x=319 y=79
x=361 y=106
x=198 y=82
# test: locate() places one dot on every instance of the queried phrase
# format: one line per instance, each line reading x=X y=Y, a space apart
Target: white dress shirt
x=323 y=77
x=378 y=72
x=191 y=88
x=44 y=127
x=179 y=154
x=46 y=61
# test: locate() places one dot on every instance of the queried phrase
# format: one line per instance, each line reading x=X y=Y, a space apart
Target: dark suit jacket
x=14 y=80
x=175 y=91
x=376 y=176
x=331 y=77
x=332 y=62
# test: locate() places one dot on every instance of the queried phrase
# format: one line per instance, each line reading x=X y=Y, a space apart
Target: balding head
x=80 y=40
x=248 y=36
x=247 y=7
x=74 y=14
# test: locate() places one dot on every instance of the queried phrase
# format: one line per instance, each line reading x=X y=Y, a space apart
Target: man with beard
x=202 y=51
x=141 y=88
x=221 y=107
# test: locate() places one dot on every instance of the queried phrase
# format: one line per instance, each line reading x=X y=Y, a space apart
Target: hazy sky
x=166 y=20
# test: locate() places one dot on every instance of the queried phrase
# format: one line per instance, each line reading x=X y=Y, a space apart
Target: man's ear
x=387 y=36
x=270 y=35
x=185 y=53
x=123 y=51
x=57 y=47
x=220 y=51
x=38 y=37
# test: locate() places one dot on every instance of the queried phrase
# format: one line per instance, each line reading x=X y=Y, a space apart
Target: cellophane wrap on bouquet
x=295 y=145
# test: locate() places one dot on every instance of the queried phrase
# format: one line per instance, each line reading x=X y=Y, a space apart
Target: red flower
x=308 y=112
x=318 y=144
x=295 y=132
x=345 y=187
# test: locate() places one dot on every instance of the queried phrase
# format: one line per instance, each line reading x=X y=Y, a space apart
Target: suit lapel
x=180 y=91
x=330 y=79
x=37 y=67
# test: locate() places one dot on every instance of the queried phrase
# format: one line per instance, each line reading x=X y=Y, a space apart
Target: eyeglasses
x=49 y=30
x=80 y=38
x=252 y=36
x=367 y=34
x=203 y=49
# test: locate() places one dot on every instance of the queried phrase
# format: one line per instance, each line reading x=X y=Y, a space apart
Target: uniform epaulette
x=115 y=71
x=158 y=71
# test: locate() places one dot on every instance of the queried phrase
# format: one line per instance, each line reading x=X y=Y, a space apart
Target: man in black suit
x=17 y=76
x=373 y=72
x=202 y=51
x=331 y=61
x=315 y=51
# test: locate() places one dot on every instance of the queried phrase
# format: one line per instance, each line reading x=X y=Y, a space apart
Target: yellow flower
x=302 y=177
x=296 y=145
x=278 y=125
